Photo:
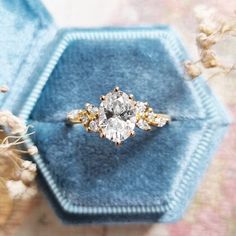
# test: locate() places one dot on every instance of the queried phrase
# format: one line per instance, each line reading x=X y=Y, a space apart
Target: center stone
x=117 y=116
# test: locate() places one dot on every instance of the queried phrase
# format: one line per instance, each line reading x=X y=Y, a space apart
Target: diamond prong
x=102 y=98
x=87 y=105
x=131 y=96
x=116 y=89
x=132 y=133
x=88 y=129
x=118 y=144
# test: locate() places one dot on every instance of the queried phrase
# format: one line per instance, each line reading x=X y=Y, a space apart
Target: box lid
x=26 y=31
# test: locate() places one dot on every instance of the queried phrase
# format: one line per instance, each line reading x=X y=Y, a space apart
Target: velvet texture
x=142 y=180
x=26 y=29
x=153 y=176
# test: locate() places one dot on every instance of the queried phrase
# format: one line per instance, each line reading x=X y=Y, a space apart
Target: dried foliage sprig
x=212 y=29
x=16 y=174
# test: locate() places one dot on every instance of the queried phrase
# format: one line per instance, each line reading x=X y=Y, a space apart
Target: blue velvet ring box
x=153 y=176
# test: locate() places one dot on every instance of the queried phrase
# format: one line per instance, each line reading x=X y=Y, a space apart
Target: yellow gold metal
x=118 y=144
x=78 y=119
x=102 y=98
x=82 y=117
x=116 y=89
x=153 y=119
x=132 y=134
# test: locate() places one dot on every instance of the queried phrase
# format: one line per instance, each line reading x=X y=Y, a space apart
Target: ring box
x=151 y=177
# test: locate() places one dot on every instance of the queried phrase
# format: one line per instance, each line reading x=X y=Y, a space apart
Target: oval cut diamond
x=117 y=116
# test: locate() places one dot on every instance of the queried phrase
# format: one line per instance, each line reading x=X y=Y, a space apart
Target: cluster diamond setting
x=117 y=116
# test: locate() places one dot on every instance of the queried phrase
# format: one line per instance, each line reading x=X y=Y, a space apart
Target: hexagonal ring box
x=150 y=178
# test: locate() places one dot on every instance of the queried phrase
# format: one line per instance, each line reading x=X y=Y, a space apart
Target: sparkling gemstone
x=160 y=121
x=143 y=124
x=117 y=116
x=93 y=125
x=73 y=114
x=91 y=108
x=141 y=107
x=84 y=118
x=151 y=116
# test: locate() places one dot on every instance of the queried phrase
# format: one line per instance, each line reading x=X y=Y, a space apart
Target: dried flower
x=212 y=29
x=18 y=190
x=11 y=123
x=209 y=59
x=33 y=150
x=192 y=69
x=207 y=27
x=12 y=167
x=16 y=175
x=30 y=192
x=28 y=172
x=27 y=176
x=205 y=41
x=10 y=163
x=28 y=165
x=16 y=130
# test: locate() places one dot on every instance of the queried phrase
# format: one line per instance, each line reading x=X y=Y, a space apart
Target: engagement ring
x=117 y=116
